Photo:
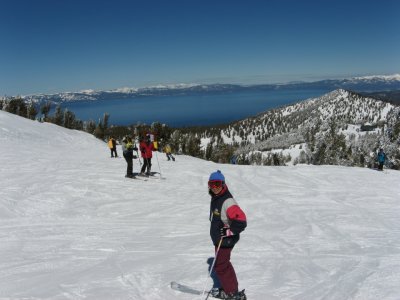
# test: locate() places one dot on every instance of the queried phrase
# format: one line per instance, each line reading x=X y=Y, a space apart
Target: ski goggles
x=212 y=184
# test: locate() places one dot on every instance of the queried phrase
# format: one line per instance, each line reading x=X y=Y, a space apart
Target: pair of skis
x=189 y=290
x=137 y=178
x=154 y=175
x=146 y=177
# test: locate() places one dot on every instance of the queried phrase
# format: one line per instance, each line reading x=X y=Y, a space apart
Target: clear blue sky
x=49 y=46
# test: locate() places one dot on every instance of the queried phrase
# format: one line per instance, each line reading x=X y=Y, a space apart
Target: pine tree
x=32 y=111
x=193 y=145
x=58 y=116
x=90 y=126
x=106 y=116
x=17 y=106
x=209 y=151
x=99 y=131
x=69 y=119
x=45 y=109
x=176 y=141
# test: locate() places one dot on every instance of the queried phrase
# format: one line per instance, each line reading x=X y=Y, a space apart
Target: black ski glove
x=226 y=231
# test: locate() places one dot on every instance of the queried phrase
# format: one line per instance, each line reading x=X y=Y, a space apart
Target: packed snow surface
x=72 y=227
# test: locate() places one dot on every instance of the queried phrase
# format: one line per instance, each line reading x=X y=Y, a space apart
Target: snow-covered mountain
x=72 y=227
x=343 y=105
x=360 y=124
x=358 y=84
x=381 y=78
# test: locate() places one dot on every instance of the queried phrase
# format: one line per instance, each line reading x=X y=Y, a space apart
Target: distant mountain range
x=357 y=84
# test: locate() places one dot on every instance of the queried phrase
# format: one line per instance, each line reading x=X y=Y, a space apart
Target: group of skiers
x=130 y=151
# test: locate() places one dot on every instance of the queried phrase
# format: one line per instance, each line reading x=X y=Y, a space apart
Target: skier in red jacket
x=227 y=222
x=146 y=149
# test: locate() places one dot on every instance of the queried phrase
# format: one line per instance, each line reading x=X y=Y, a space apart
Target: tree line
x=60 y=117
x=180 y=142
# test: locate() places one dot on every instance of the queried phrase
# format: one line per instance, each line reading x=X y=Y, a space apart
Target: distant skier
x=227 y=222
x=168 y=152
x=381 y=157
x=127 y=149
x=112 y=144
x=146 y=149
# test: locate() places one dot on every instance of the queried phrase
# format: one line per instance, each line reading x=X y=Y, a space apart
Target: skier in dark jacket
x=227 y=222
x=127 y=150
x=381 y=159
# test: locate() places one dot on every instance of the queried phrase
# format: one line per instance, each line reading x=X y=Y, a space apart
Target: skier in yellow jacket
x=167 y=150
x=112 y=144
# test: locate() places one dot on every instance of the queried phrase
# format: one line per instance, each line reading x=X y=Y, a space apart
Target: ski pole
x=140 y=165
x=211 y=269
x=140 y=162
x=158 y=164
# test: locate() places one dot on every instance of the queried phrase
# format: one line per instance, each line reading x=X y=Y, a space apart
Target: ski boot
x=148 y=173
x=219 y=293
x=240 y=295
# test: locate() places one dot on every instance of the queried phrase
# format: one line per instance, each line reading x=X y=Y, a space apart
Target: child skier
x=227 y=222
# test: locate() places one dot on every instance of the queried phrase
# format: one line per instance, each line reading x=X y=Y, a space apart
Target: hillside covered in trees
x=339 y=128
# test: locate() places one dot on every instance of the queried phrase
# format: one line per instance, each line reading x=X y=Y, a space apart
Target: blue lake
x=189 y=110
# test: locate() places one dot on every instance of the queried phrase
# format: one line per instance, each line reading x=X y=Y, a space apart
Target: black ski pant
x=114 y=151
x=129 y=161
x=146 y=164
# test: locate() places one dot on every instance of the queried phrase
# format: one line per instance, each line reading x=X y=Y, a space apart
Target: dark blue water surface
x=189 y=110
